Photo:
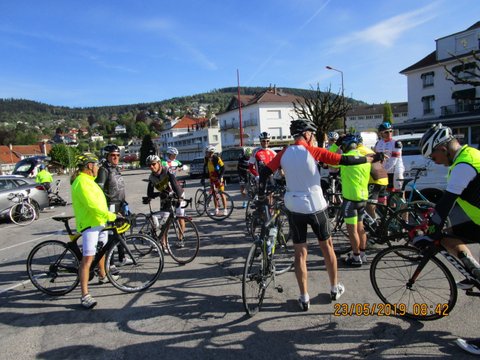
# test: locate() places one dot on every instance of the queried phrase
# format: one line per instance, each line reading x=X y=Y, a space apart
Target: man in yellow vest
x=44 y=177
x=461 y=200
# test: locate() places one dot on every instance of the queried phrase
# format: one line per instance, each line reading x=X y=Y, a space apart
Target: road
x=195 y=311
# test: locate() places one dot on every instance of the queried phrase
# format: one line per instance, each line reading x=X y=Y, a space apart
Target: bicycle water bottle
x=272 y=236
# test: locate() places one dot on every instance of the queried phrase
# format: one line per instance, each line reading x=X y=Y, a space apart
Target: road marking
x=41 y=219
x=23 y=283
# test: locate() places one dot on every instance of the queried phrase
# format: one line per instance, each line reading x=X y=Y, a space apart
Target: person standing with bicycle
x=164 y=182
x=91 y=215
x=460 y=201
x=393 y=154
x=111 y=182
x=305 y=202
x=213 y=166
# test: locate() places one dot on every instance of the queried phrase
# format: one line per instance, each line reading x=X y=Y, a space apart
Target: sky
x=116 y=52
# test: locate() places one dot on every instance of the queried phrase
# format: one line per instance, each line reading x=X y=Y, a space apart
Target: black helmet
x=297 y=127
x=111 y=148
x=384 y=126
x=264 y=136
x=349 y=142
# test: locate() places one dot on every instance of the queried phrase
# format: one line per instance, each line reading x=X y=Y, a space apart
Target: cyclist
x=332 y=139
x=213 y=166
x=164 y=181
x=170 y=162
x=393 y=154
x=355 y=193
x=91 y=214
x=111 y=182
x=44 y=177
x=242 y=169
x=461 y=199
x=261 y=156
x=305 y=202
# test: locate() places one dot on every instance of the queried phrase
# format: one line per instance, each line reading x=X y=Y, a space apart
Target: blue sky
x=94 y=53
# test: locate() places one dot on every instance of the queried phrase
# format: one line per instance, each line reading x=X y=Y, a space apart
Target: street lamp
x=343 y=97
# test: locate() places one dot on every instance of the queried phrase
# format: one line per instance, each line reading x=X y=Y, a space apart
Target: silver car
x=16 y=183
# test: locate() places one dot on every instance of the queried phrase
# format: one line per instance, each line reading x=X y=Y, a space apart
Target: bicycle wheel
x=254 y=282
x=147 y=264
x=142 y=224
x=183 y=241
x=223 y=212
x=339 y=233
x=200 y=197
x=284 y=255
x=22 y=213
x=249 y=213
x=430 y=296
x=53 y=268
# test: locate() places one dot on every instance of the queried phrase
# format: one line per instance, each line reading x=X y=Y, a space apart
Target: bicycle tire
x=253 y=280
x=390 y=273
x=145 y=269
x=22 y=214
x=211 y=210
x=284 y=256
x=53 y=268
x=142 y=224
x=249 y=210
x=200 y=200
x=183 y=244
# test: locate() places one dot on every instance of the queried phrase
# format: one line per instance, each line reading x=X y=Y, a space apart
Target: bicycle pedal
x=472 y=293
x=279 y=288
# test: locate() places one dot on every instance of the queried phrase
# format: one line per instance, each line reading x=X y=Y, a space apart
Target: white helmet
x=436 y=135
x=151 y=159
x=172 y=151
x=210 y=148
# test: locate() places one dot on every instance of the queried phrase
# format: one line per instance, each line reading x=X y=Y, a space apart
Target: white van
x=433 y=181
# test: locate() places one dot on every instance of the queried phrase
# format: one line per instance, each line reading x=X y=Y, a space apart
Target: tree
x=387 y=113
x=65 y=155
x=141 y=129
x=146 y=149
x=323 y=109
x=468 y=71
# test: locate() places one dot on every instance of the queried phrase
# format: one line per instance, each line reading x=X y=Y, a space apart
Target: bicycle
x=52 y=265
x=53 y=194
x=208 y=200
x=268 y=257
x=186 y=244
x=23 y=212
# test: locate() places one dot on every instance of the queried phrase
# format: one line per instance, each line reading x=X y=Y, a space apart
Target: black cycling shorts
x=376 y=190
x=467 y=231
x=318 y=221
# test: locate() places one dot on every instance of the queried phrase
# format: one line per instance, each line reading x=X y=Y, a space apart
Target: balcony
x=460 y=108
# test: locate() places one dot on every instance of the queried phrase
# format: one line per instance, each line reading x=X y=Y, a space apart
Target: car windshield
x=231 y=154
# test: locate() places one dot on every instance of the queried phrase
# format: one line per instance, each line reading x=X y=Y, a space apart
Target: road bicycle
x=176 y=235
x=209 y=199
x=23 y=212
x=54 y=197
x=52 y=265
x=415 y=283
x=268 y=257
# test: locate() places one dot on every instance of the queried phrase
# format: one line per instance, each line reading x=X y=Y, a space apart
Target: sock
x=304 y=298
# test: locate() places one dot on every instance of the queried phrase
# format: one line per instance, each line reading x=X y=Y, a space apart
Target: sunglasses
x=115 y=155
x=153 y=164
x=387 y=131
x=265 y=141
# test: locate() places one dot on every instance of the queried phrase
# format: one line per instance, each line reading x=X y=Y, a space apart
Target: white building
x=270 y=111
x=190 y=136
x=368 y=117
x=433 y=99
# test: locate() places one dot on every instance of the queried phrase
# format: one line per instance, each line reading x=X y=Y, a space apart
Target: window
x=215 y=137
x=428 y=102
x=465 y=71
x=427 y=79
x=274 y=114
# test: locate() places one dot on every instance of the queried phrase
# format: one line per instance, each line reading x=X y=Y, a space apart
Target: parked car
x=196 y=167
x=17 y=183
x=28 y=167
x=230 y=160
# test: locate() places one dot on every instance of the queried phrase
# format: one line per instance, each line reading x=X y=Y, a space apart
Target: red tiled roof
x=7 y=156
x=13 y=156
x=188 y=122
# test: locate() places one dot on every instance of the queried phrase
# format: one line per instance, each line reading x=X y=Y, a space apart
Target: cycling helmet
x=248 y=152
x=151 y=159
x=349 y=142
x=86 y=158
x=264 y=136
x=210 y=149
x=297 y=127
x=42 y=166
x=333 y=135
x=359 y=139
x=436 y=135
x=111 y=148
x=384 y=126
x=172 y=151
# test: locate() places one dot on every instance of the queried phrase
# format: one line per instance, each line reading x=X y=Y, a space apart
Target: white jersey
x=393 y=149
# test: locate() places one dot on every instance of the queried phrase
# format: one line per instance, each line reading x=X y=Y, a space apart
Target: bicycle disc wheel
x=223 y=212
x=284 y=255
x=22 y=213
x=145 y=269
x=253 y=281
x=431 y=296
x=183 y=240
x=200 y=197
x=53 y=268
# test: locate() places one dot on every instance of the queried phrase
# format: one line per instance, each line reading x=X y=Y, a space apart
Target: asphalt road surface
x=195 y=311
